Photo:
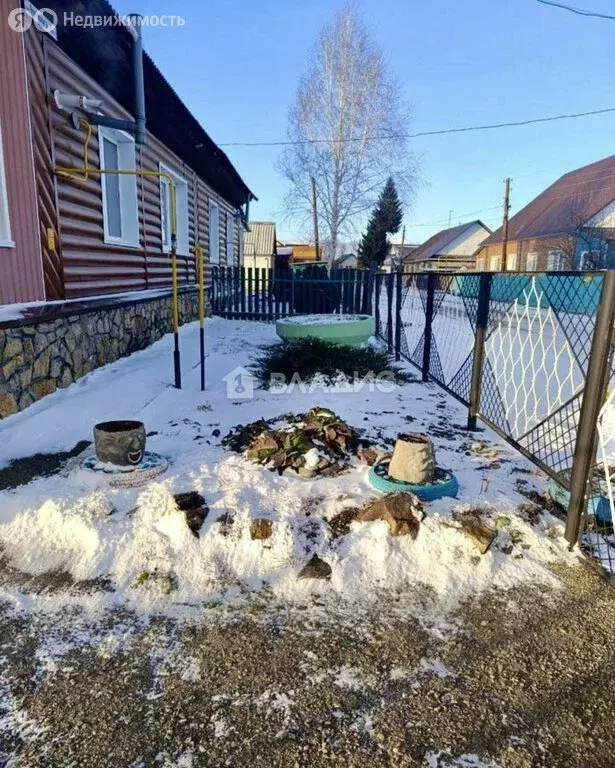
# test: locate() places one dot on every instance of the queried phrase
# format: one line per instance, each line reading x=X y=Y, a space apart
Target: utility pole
x=401 y=250
x=450 y=216
x=505 y=222
x=315 y=215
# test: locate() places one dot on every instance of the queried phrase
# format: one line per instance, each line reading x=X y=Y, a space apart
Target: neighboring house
x=571 y=225
x=399 y=253
x=85 y=267
x=61 y=238
x=347 y=261
x=450 y=250
x=259 y=245
x=303 y=252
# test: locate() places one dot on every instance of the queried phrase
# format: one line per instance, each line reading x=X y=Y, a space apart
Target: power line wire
x=440 y=132
x=578 y=11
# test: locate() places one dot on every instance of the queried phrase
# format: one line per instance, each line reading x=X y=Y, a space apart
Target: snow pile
x=132 y=547
x=153 y=560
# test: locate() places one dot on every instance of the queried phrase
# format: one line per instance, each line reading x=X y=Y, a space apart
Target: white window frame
x=181 y=211
x=531 y=262
x=6 y=241
x=511 y=262
x=481 y=263
x=497 y=260
x=214 y=242
x=230 y=239
x=129 y=205
x=555 y=260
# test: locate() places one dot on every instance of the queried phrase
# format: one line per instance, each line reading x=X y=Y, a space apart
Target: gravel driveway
x=516 y=679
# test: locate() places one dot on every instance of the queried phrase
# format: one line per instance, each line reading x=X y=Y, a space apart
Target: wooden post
x=505 y=223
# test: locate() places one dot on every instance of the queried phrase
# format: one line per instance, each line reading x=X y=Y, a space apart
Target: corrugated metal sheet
x=565 y=205
x=259 y=240
x=21 y=276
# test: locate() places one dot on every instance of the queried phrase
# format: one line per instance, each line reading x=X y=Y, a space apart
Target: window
x=230 y=239
x=495 y=263
x=181 y=211
x=214 y=233
x=5 y=228
x=531 y=262
x=556 y=261
x=120 y=210
x=590 y=260
x=511 y=262
x=480 y=264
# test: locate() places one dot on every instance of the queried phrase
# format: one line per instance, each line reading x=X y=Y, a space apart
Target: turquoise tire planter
x=445 y=483
x=353 y=330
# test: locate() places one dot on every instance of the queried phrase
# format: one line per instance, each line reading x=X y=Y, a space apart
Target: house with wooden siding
x=88 y=253
x=259 y=245
x=569 y=226
x=62 y=238
x=450 y=250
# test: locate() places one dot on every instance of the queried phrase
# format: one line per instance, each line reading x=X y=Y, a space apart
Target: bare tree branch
x=346 y=97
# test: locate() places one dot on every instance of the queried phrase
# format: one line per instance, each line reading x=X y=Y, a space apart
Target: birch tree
x=346 y=128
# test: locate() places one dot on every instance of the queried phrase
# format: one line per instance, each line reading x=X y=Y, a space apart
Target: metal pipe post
x=431 y=290
x=482 y=318
x=598 y=374
x=398 y=323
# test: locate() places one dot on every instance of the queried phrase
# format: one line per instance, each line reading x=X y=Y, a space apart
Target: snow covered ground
x=75 y=523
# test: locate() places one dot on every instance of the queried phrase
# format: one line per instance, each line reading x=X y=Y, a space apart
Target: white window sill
x=122 y=243
x=6 y=243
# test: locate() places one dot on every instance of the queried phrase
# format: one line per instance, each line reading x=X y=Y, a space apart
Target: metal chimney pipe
x=137 y=58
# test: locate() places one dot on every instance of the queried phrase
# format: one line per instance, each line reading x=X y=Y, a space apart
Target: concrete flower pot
x=414 y=459
x=120 y=442
x=354 y=330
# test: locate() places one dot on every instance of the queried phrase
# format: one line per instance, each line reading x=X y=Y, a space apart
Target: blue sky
x=460 y=62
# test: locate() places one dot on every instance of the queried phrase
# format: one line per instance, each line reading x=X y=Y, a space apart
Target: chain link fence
x=531 y=356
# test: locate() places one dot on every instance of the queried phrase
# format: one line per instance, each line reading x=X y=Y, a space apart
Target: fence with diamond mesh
x=537 y=337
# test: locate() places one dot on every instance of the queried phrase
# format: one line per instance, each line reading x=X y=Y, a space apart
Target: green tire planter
x=353 y=330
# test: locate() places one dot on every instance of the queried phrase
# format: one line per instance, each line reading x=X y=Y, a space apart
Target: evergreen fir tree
x=385 y=220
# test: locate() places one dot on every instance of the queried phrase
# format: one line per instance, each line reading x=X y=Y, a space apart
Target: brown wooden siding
x=21 y=277
x=91 y=266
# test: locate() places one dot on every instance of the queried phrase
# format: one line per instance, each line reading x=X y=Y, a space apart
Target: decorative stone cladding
x=56 y=347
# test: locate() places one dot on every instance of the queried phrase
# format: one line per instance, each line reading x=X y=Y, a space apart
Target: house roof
x=438 y=243
x=564 y=206
x=105 y=53
x=259 y=239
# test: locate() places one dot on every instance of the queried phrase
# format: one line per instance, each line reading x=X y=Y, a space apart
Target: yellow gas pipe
x=200 y=269
x=83 y=174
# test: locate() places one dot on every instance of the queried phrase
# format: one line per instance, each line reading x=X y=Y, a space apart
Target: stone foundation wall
x=42 y=355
